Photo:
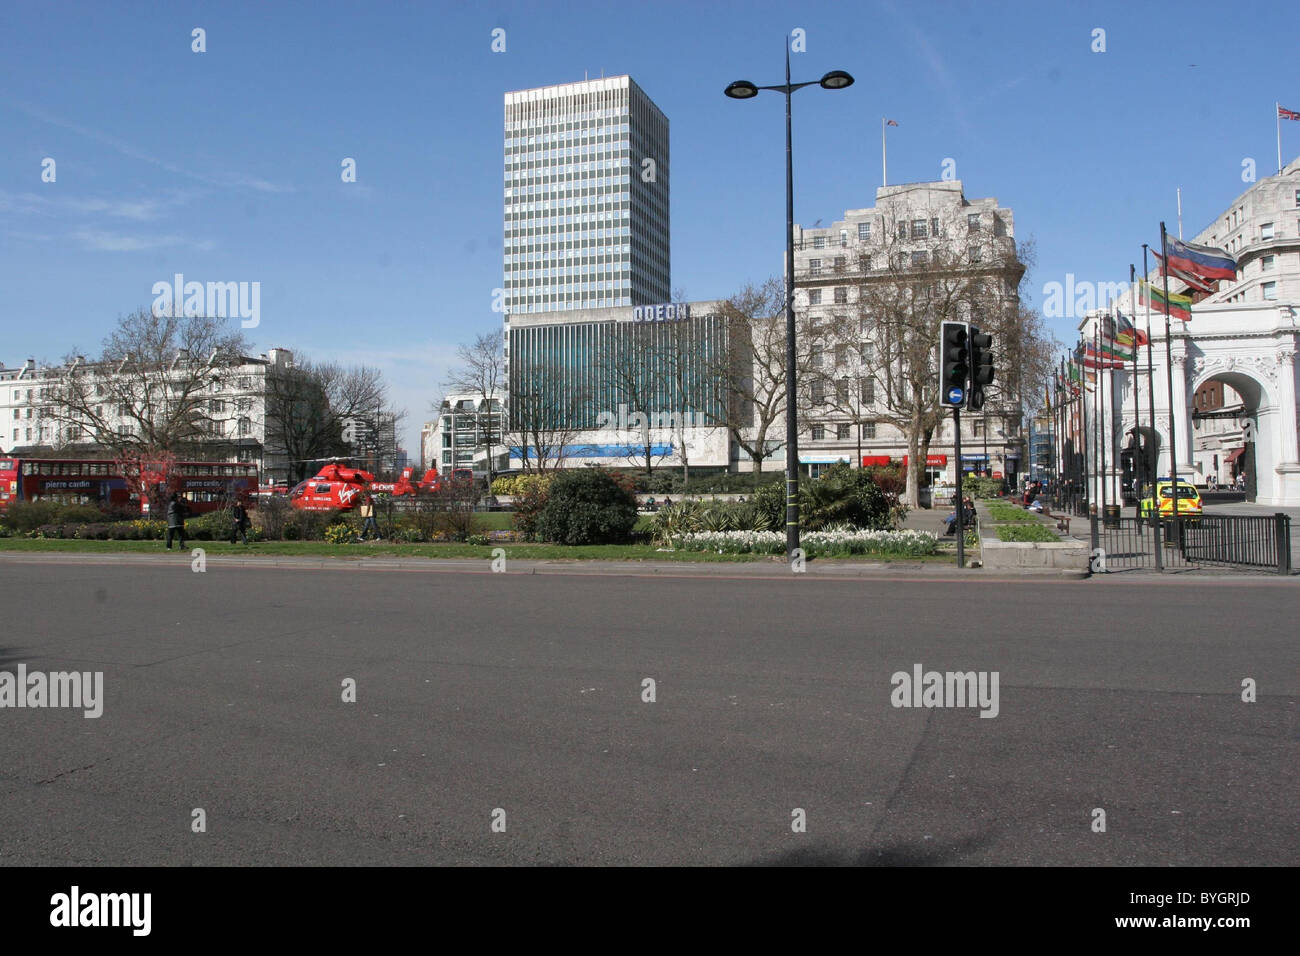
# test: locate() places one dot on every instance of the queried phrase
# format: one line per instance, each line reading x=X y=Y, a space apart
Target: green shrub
x=516 y=485
x=978 y=486
x=210 y=526
x=841 y=496
x=586 y=506
x=529 y=502
x=26 y=516
x=846 y=495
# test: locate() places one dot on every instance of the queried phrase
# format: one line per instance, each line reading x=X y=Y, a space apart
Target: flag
x=1102 y=358
x=1204 y=262
x=1110 y=354
x=1285 y=113
x=1194 y=282
x=1047 y=393
x=1179 y=306
x=1129 y=335
x=891 y=123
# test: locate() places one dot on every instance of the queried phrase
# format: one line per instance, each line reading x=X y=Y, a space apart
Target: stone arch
x=1259 y=406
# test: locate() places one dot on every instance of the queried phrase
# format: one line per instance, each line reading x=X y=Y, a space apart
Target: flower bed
x=814 y=543
x=1026 y=532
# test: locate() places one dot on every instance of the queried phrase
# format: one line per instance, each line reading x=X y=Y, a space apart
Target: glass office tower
x=586 y=198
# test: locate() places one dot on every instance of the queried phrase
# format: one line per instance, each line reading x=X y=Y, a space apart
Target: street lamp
x=745 y=90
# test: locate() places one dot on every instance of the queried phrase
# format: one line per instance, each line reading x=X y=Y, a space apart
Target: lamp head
x=742 y=90
x=836 y=80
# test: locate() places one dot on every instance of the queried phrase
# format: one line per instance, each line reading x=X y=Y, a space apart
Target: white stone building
x=916 y=231
x=235 y=409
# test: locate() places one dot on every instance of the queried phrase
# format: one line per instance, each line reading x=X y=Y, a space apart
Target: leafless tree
x=152 y=389
x=481 y=371
x=922 y=272
x=308 y=405
x=631 y=362
x=751 y=377
x=543 y=417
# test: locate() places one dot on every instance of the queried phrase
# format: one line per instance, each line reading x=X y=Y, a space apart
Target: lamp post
x=744 y=90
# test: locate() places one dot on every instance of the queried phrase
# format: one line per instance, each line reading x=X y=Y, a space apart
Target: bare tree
x=544 y=418
x=631 y=362
x=924 y=270
x=308 y=405
x=151 y=390
x=481 y=371
x=751 y=377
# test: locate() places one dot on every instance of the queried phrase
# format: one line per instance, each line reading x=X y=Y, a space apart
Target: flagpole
x=1101 y=417
x=1180 y=213
x=884 y=181
x=1137 y=408
x=1151 y=402
x=1169 y=377
x=1058 y=428
x=1099 y=453
x=1277 y=121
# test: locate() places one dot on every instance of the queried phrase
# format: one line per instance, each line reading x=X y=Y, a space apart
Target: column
x=1287 y=467
x=1182 y=416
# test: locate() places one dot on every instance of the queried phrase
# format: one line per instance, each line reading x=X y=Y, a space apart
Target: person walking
x=176 y=514
x=238 y=523
x=368 y=524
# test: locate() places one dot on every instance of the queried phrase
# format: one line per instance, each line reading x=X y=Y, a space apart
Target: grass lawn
x=544 y=552
x=522 y=551
x=1026 y=532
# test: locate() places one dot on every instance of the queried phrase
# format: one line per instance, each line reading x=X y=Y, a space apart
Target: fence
x=1240 y=541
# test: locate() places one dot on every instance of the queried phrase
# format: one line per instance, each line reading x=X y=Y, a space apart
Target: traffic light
x=981 y=364
x=954 y=363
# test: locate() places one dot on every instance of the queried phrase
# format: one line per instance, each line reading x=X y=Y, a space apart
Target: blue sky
x=225 y=165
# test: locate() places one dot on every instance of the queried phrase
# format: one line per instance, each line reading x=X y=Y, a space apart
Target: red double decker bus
x=206 y=485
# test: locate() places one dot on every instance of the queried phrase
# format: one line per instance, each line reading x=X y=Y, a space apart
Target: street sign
x=956 y=395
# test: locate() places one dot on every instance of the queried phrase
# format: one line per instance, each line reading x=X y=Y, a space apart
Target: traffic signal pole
x=959 y=503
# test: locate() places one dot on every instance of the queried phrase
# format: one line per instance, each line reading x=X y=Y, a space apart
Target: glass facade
x=586 y=198
x=573 y=372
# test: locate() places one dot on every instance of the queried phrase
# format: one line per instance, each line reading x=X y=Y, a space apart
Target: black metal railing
x=1240 y=541
x=1248 y=541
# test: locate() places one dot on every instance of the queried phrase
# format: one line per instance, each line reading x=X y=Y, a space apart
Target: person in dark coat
x=176 y=514
x=239 y=523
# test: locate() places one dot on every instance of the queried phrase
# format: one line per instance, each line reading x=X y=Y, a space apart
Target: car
x=1189 y=500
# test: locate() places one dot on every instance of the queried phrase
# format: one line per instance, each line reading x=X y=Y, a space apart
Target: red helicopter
x=341 y=488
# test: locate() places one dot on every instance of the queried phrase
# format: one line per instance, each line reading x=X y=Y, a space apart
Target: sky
x=226 y=165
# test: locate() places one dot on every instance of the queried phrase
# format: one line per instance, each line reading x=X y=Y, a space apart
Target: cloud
x=223 y=180
x=138 y=210
x=100 y=241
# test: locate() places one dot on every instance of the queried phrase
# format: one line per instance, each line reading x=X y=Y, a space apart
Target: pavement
x=522 y=698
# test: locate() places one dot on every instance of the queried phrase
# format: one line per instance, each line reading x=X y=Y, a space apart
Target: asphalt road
x=523 y=692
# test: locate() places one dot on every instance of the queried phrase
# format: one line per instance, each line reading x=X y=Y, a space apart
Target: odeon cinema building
x=629 y=386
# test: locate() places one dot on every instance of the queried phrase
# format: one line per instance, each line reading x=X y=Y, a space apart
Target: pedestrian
x=368 y=524
x=238 y=523
x=176 y=513
x=1214 y=482
x=1241 y=481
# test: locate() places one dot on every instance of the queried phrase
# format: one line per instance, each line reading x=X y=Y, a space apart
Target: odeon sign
x=666 y=312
